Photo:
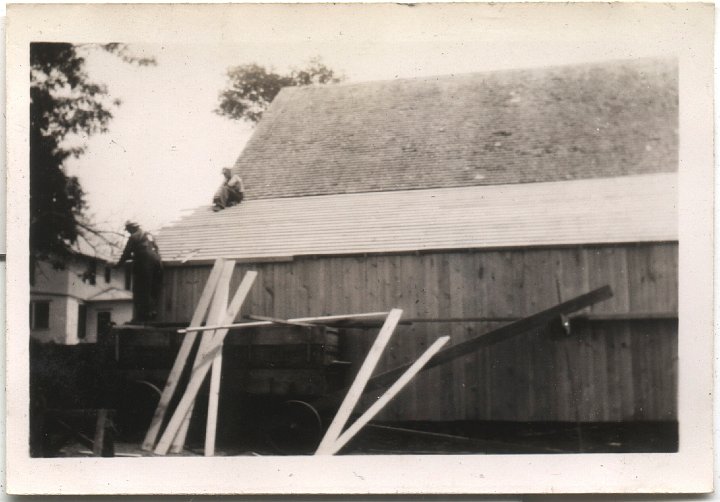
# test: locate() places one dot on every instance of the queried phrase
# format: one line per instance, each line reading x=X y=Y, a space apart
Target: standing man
x=147 y=272
x=230 y=193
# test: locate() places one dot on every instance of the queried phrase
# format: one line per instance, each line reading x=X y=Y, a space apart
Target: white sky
x=165 y=146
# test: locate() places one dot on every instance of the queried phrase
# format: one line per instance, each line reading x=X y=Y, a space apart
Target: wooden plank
x=387 y=396
x=536 y=320
x=653 y=277
x=448 y=375
x=613 y=375
x=625 y=369
x=431 y=383
x=608 y=265
x=201 y=371
x=358 y=342
x=599 y=377
x=100 y=425
x=276 y=320
x=476 y=299
x=215 y=316
x=181 y=358
x=318 y=320
x=358 y=385
x=589 y=317
x=222 y=295
x=454 y=306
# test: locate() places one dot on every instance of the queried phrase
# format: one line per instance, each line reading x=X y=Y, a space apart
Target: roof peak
x=658 y=60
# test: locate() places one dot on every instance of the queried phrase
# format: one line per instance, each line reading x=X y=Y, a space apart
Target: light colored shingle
x=601 y=210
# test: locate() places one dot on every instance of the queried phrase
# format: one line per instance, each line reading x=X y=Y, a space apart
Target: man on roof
x=230 y=193
x=146 y=272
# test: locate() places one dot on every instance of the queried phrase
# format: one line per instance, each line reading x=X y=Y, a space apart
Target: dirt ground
x=455 y=438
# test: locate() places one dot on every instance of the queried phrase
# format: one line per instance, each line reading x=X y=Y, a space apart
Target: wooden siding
x=605 y=371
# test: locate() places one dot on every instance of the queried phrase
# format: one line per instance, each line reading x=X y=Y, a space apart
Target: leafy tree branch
x=64 y=103
x=251 y=87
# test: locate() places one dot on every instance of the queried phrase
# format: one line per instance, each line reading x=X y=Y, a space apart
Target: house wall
x=49 y=280
x=57 y=322
x=120 y=313
x=606 y=371
x=83 y=289
x=66 y=291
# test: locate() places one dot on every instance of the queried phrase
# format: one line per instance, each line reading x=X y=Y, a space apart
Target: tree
x=64 y=105
x=251 y=88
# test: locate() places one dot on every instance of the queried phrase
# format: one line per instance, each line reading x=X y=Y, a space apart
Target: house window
x=82 y=321
x=40 y=315
x=90 y=273
x=108 y=274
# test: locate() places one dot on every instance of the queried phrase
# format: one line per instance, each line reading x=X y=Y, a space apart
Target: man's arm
x=236 y=183
x=127 y=252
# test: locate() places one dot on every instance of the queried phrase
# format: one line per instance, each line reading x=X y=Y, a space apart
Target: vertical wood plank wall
x=606 y=371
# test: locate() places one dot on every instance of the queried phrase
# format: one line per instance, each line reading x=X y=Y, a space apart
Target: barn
x=469 y=201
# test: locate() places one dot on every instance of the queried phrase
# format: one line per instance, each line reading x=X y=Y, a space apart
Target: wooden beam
x=353 y=395
x=181 y=358
x=505 y=332
x=275 y=320
x=200 y=372
x=102 y=425
x=378 y=405
x=534 y=321
x=630 y=316
x=318 y=320
x=211 y=425
x=405 y=430
x=216 y=315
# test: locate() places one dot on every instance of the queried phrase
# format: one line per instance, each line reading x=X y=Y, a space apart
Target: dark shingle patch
x=519 y=126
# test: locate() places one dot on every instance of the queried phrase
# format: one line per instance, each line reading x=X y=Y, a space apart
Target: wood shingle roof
x=602 y=210
x=586 y=121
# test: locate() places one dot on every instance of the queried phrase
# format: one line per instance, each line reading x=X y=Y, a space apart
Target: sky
x=165 y=146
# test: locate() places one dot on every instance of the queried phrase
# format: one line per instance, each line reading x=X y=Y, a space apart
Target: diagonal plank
x=200 y=372
x=492 y=337
x=216 y=315
x=181 y=358
x=362 y=377
x=505 y=332
x=383 y=400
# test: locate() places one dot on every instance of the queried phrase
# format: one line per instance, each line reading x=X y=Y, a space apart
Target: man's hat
x=131 y=224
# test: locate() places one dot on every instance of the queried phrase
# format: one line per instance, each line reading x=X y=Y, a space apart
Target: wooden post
x=383 y=400
x=214 y=396
x=200 y=372
x=185 y=348
x=99 y=443
x=356 y=389
x=216 y=315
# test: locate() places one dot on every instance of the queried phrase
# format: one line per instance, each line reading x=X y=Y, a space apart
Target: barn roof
x=549 y=124
x=602 y=210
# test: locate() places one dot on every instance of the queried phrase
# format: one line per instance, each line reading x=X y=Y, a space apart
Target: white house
x=72 y=305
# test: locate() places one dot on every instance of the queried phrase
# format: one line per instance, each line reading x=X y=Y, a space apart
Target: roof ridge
x=475 y=74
